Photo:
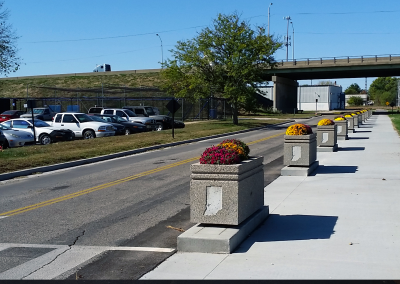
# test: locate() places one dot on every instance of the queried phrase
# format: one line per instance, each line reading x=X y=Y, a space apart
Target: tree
x=353 y=89
x=327 y=83
x=225 y=60
x=355 y=101
x=9 y=62
x=383 y=89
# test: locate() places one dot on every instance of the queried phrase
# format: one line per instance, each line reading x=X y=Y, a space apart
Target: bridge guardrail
x=340 y=60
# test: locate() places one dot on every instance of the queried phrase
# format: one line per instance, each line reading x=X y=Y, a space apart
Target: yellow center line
x=112 y=183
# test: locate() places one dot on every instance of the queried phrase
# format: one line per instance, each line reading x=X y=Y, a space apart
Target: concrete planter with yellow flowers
x=342 y=132
x=355 y=120
x=300 y=154
x=360 y=119
x=350 y=123
x=327 y=138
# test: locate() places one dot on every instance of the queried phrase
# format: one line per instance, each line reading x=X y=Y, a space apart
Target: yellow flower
x=325 y=121
x=297 y=129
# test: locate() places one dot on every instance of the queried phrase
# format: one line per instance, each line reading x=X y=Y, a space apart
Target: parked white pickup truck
x=131 y=116
x=82 y=125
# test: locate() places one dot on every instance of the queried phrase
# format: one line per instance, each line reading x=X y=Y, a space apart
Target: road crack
x=69 y=248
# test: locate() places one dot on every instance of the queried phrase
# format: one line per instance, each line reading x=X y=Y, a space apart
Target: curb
x=11 y=175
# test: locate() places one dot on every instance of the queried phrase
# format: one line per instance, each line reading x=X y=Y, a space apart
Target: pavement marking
x=109 y=184
x=103 y=248
x=2 y=217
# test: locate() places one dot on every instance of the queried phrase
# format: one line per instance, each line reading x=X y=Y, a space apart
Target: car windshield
x=9 y=112
x=130 y=113
x=39 y=123
x=83 y=117
x=150 y=110
x=3 y=127
x=118 y=118
x=96 y=118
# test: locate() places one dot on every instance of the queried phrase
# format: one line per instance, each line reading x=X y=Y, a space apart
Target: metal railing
x=367 y=59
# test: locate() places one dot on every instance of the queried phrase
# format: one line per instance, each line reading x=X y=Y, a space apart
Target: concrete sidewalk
x=342 y=222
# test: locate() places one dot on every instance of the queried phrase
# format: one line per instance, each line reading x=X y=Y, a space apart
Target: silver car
x=16 y=138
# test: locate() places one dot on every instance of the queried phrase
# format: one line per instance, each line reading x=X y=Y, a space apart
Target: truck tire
x=88 y=134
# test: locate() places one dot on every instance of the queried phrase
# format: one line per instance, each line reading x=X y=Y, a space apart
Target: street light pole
x=268 y=16
x=293 y=41
x=287 y=36
x=162 y=53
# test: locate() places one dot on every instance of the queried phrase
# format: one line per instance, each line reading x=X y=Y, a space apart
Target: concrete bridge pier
x=285 y=94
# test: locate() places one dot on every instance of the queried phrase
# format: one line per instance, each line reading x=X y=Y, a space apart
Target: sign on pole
x=173 y=106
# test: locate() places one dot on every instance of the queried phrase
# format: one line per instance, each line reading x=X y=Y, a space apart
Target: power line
x=112 y=37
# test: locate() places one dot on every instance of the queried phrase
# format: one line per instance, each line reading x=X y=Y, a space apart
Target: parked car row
x=18 y=129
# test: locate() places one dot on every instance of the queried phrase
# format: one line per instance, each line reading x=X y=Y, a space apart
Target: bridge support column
x=285 y=94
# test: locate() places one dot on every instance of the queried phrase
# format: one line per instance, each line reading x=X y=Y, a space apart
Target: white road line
x=62 y=259
x=104 y=248
x=2 y=217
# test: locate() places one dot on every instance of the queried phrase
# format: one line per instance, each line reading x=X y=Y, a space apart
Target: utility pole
x=268 y=16
x=287 y=37
x=292 y=41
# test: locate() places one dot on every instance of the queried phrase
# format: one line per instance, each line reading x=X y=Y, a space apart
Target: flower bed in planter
x=300 y=150
x=326 y=135
x=342 y=124
x=222 y=192
x=350 y=123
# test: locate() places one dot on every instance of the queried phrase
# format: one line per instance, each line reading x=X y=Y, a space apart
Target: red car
x=10 y=114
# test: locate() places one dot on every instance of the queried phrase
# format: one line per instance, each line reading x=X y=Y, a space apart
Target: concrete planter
x=300 y=150
x=355 y=119
x=326 y=138
x=350 y=124
x=360 y=119
x=342 y=133
x=226 y=194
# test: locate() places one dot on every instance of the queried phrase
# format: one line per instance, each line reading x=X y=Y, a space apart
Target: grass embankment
x=395 y=117
x=14 y=159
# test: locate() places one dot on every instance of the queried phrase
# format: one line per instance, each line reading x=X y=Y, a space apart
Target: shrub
x=241 y=147
x=219 y=155
x=228 y=152
x=298 y=129
x=355 y=101
x=326 y=121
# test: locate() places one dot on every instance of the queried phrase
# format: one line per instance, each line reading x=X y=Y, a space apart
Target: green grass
x=395 y=117
x=14 y=159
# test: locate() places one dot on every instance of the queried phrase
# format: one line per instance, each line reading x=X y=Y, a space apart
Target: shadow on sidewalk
x=278 y=228
x=358 y=131
x=355 y=138
x=351 y=148
x=334 y=170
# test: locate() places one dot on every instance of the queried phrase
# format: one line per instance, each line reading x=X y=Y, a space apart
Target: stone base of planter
x=220 y=238
x=327 y=149
x=343 y=137
x=299 y=171
x=226 y=194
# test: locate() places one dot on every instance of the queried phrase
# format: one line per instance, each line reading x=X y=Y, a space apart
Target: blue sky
x=68 y=36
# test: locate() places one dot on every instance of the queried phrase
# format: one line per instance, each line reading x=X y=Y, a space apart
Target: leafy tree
x=226 y=60
x=353 y=89
x=9 y=62
x=383 y=89
x=329 y=83
x=355 y=101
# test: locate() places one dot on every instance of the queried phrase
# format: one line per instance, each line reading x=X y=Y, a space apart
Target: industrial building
x=314 y=98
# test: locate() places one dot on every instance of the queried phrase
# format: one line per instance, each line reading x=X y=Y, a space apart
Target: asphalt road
x=137 y=201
